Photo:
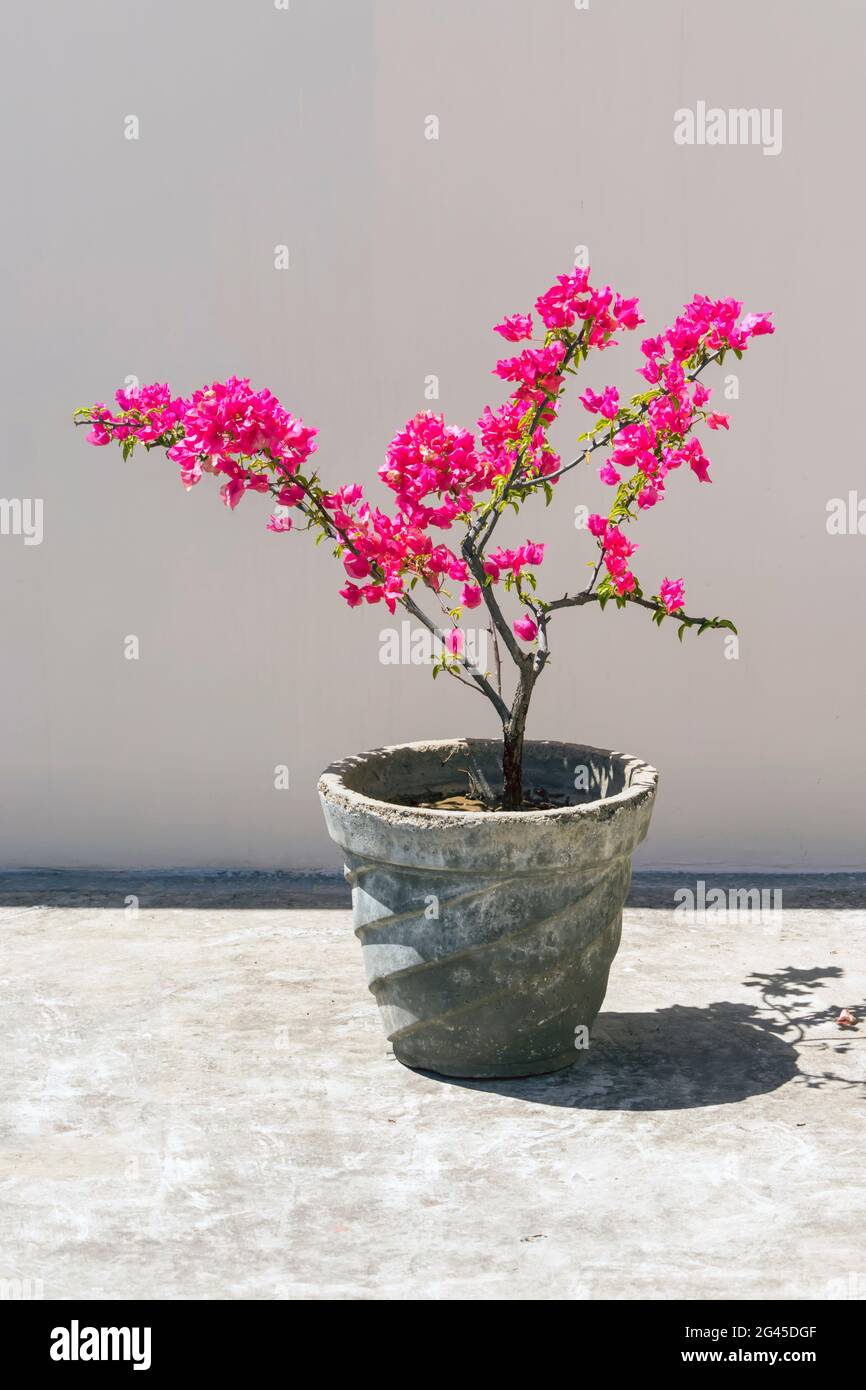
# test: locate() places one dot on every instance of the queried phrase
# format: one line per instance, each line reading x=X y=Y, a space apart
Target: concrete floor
x=198 y=1102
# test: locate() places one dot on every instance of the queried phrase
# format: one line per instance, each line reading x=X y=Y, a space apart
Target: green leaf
x=681 y=629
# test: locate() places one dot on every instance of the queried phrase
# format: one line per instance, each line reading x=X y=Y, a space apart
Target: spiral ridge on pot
x=496 y=978
x=487 y=938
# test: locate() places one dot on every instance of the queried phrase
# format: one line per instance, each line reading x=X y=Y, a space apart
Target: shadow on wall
x=683 y=1058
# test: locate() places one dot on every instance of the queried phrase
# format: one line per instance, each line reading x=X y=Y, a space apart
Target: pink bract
x=444 y=478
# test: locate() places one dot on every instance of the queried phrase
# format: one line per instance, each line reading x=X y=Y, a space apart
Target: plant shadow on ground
x=686 y=1057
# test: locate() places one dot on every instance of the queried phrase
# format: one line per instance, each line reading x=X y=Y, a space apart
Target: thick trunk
x=512 y=743
x=512 y=770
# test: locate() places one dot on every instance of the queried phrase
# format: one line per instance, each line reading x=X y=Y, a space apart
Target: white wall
x=306 y=127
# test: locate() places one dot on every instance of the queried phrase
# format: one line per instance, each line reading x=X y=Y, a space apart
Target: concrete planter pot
x=487 y=937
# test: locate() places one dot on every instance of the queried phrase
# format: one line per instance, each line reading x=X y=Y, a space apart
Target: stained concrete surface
x=198 y=1102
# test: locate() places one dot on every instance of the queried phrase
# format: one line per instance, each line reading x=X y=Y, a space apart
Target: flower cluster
x=427 y=458
x=503 y=434
x=441 y=474
x=652 y=435
x=147 y=413
x=616 y=550
x=536 y=371
x=572 y=298
x=227 y=426
x=224 y=428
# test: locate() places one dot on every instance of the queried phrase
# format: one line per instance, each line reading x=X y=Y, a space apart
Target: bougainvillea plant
x=449 y=480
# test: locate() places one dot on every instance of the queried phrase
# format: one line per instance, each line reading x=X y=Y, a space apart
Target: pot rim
x=332 y=787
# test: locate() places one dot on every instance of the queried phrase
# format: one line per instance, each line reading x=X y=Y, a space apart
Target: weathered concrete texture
x=526 y=906
x=198 y=1102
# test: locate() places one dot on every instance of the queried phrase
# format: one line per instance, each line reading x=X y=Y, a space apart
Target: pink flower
x=515 y=327
x=492 y=568
x=454 y=641
x=651 y=372
x=698 y=461
x=531 y=553
x=524 y=556
x=525 y=628
x=356 y=566
x=756 y=325
x=609 y=475
x=558 y=306
x=352 y=595
x=500 y=432
x=428 y=456
x=617 y=551
x=623 y=582
x=605 y=404
x=232 y=492
x=224 y=422
x=672 y=594
x=279 y=523
x=716 y=421
x=626 y=312
x=617 y=543
x=393 y=591
x=535 y=367
x=471 y=596
x=649 y=496
x=290 y=496
x=151 y=413
x=596 y=524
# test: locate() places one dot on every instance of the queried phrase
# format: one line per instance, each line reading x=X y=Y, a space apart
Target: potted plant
x=488 y=876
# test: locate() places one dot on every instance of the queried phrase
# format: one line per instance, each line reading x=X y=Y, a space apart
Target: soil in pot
x=534 y=799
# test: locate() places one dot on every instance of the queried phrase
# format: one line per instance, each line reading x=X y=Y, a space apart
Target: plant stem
x=513 y=732
x=605 y=441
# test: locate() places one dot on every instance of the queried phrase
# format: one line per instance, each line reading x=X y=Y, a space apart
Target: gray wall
x=155 y=257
